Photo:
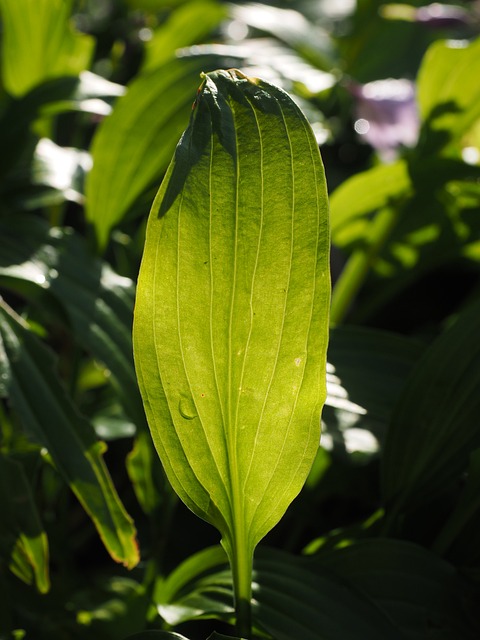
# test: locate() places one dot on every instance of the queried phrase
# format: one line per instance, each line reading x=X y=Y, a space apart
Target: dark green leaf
x=421 y=593
x=23 y=542
x=366 y=372
x=295 y=598
x=47 y=414
x=434 y=426
x=98 y=302
x=133 y=146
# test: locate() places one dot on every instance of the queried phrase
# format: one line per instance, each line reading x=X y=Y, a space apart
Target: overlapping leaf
x=449 y=108
x=49 y=417
x=232 y=306
x=23 y=541
x=133 y=146
x=421 y=593
x=434 y=426
x=98 y=302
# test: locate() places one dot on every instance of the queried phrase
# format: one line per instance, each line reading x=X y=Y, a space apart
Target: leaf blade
x=217 y=344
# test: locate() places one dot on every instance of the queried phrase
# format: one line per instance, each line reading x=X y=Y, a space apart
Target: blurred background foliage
x=383 y=541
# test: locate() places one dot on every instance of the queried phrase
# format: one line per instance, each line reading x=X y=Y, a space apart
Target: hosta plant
x=231 y=318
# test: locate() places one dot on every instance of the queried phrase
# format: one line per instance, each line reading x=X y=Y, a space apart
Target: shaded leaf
x=133 y=146
x=49 y=417
x=294 y=598
x=23 y=542
x=465 y=509
x=450 y=109
x=434 y=426
x=353 y=202
x=99 y=303
x=157 y=635
x=196 y=588
x=421 y=593
x=366 y=372
x=231 y=316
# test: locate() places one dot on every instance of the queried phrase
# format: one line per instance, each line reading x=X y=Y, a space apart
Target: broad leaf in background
x=293 y=598
x=133 y=146
x=450 y=110
x=23 y=542
x=231 y=317
x=97 y=301
x=421 y=593
x=366 y=372
x=187 y=25
x=38 y=43
x=47 y=414
x=434 y=427
x=465 y=510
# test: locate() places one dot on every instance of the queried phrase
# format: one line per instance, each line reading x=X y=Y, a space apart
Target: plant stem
x=360 y=262
x=242 y=564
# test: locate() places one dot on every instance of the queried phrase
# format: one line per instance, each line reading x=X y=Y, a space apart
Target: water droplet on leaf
x=187 y=408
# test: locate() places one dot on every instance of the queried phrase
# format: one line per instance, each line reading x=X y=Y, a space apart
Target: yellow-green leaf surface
x=38 y=43
x=231 y=318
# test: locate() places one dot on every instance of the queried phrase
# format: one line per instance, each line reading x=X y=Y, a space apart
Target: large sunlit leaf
x=23 y=541
x=434 y=427
x=39 y=43
x=48 y=416
x=133 y=146
x=231 y=317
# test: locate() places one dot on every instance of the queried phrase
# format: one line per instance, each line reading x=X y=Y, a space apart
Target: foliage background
x=382 y=541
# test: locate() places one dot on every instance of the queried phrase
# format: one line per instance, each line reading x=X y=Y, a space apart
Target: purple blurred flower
x=442 y=16
x=386 y=115
x=434 y=16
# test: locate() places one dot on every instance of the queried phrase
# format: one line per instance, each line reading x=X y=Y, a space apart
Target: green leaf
x=133 y=146
x=353 y=202
x=466 y=507
x=23 y=542
x=293 y=598
x=366 y=372
x=98 y=302
x=296 y=598
x=187 y=25
x=434 y=426
x=450 y=109
x=38 y=43
x=196 y=588
x=47 y=414
x=231 y=317
x=421 y=593
x=157 y=635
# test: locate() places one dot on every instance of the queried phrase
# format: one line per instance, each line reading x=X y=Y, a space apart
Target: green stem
x=358 y=266
x=242 y=565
